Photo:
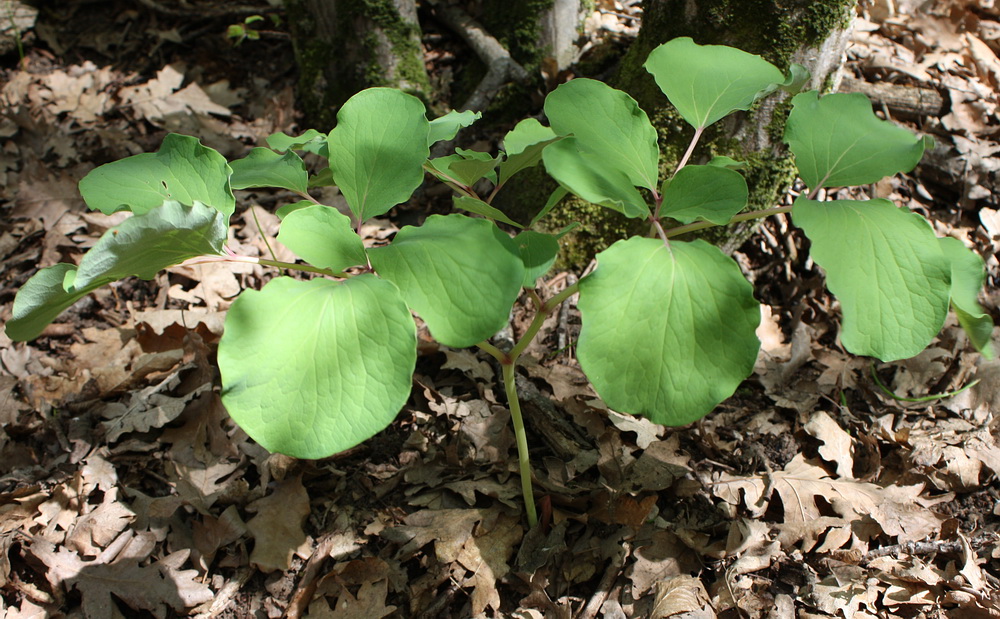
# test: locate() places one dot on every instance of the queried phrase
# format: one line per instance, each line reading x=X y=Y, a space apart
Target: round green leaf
x=462 y=276
x=668 y=332
x=263 y=167
x=446 y=127
x=323 y=237
x=707 y=82
x=607 y=124
x=585 y=175
x=707 y=192
x=538 y=252
x=142 y=245
x=378 y=149
x=311 y=368
x=887 y=269
x=182 y=170
x=967 y=275
x=838 y=141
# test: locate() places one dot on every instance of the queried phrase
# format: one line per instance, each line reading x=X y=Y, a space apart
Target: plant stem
x=524 y=464
x=508 y=363
x=300 y=267
x=690 y=149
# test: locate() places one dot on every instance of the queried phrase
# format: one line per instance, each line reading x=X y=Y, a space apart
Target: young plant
x=311 y=367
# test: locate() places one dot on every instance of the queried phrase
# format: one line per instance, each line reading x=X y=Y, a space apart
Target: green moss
x=517 y=27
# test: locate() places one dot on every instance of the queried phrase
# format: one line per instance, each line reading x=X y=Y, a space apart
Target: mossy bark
x=344 y=46
x=813 y=34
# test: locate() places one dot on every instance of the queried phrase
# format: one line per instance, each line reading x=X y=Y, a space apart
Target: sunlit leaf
x=263 y=167
x=708 y=192
x=323 y=237
x=462 y=276
x=311 y=368
x=182 y=170
x=378 y=149
x=586 y=176
x=668 y=333
x=967 y=275
x=838 y=141
x=887 y=269
x=708 y=82
x=608 y=125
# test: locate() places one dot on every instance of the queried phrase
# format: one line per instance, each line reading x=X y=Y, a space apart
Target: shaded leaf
x=538 y=252
x=967 y=275
x=523 y=147
x=446 y=127
x=468 y=203
x=707 y=192
x=586 y=176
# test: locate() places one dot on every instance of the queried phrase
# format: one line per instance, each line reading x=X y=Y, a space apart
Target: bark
x=344 y=46
x=813 y=34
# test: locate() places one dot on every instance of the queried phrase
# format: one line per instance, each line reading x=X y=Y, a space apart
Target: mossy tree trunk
x=344 y=46
x=810 y=33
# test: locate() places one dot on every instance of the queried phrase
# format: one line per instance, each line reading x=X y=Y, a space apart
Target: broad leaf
x=311 y=368
x=586 y=176
x=708 y=82
x=706 y=192
x=446 y=127
x=323 y=237
x=838 y=141
x=467 y=203
x=288 y=209
x=182 y=170
x=668 y=332
x=608 y=124
x=523 y=146
x=467 y=167
x=887 y=269
x=967 y=275
x=142 y=245
x=538 y=252
x=462 y=276
x=378 y=149
x=311 y=141
x=263 y=167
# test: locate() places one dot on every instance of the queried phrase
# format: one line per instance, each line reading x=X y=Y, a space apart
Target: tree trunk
x=344 y=46
x=813 y=34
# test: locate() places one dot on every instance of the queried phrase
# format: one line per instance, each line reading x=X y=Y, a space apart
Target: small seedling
x=311 y=367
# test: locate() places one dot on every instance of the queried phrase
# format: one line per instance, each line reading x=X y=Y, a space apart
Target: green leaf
x=288 y=209
x=475 y=165
x=608 y=124
x=311 y=141
x=967 y=275
x=323 y=237
x=523 y=146
x=446 y=127
x=555 y=198
x=263 y=167
x=887 y=269
x=838 y=141
x=708 y=82
x=668 y=333
x=142 y=245
x=727 y=162
x=182 y=170
x=586 y=176
x=462 y=276
x=378 y=149
x=468 y=203
x=538 y=252
x=706 y=192
x=323 y=178
x=311 y=368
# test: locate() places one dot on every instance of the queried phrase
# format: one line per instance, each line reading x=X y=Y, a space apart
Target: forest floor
x=125 y=489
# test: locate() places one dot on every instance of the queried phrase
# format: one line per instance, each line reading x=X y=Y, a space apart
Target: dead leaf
x=837 y=443
x=277 y=527
x=117 y=572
